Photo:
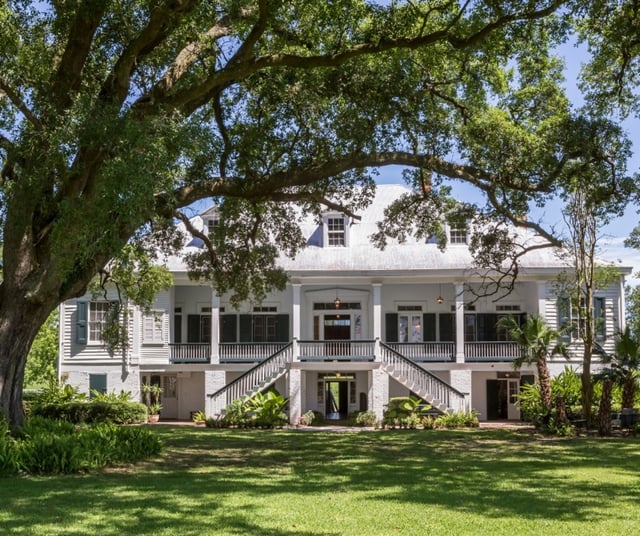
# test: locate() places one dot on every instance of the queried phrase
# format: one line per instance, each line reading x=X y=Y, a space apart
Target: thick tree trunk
x=604 y=412
x=629 y=391
x=19 y=325
x=545 y=383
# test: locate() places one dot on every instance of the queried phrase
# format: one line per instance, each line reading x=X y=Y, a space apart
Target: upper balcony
x=347 y=350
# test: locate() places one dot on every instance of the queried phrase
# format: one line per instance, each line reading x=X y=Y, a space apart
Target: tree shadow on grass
x=233 y=481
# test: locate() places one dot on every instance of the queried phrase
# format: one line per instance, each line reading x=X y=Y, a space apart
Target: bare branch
x=196 y=233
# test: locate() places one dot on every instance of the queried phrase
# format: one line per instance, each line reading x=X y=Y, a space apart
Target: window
x=409 y=328
x=97 y=384
x=458 y=234
x=153 y=327
x=336 y=235
x=199 y=328
x=212 y=225
x=91 y=319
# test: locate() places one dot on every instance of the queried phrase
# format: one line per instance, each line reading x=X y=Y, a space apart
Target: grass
x=270 y=483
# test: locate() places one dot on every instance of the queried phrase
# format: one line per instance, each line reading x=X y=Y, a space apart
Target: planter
x=154 y=418
x=628 y=417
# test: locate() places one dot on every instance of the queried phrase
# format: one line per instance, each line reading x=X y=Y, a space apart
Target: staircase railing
x=435 y=391
x=252 y=381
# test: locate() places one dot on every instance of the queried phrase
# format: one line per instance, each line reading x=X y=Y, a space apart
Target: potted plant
x=199 y=417
x=154 y=412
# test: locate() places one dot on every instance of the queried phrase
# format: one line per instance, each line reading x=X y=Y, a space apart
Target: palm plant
x=538 y=342
x=626 y=363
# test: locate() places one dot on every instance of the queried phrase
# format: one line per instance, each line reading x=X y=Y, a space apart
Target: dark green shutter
x=282 y=328
x=563 y=310
x=81 y=322
x=177 y=329
x=599 y=318
x=429 y=327
x=246 y=328
x=391 y=327
x=193 y=328
x=487 y=327
x=447 y=327
x=228 y=331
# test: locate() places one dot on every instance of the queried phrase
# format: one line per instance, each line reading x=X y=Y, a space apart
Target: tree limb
x=17 y=101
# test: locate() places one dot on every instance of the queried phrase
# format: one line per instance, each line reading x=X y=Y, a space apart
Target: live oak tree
x=115 y=116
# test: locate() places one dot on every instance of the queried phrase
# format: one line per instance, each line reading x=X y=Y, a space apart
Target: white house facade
x=354 y=327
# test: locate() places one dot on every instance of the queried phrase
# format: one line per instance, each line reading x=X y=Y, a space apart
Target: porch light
x=439 y=299
x=337 y=301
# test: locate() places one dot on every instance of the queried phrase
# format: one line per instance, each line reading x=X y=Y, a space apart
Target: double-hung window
x=153 y=327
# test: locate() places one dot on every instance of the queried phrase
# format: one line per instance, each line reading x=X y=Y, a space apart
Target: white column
x=460 y=379
x=459 y=287
x=377 y=310
x=542 y=299
x=295 y=395
x=296 y=310
x=215 y=327
x=214 y=380
x=622 y=307
x=378 y=391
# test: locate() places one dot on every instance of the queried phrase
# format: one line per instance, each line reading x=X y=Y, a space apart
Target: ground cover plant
x=275 y=482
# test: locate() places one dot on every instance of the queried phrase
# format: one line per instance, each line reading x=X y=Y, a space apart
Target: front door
x=336 y=398
x=501 y=400
x=337 y=328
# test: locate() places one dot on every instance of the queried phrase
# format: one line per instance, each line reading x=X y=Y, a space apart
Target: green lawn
x=317 y=483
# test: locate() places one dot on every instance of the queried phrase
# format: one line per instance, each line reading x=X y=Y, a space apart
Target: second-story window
x=336 y=231
x=458 y=234
x=98 y=317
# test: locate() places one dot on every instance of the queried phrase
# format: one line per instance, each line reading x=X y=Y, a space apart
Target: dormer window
x=336 y=228
x=458 y=234
x=212 y=224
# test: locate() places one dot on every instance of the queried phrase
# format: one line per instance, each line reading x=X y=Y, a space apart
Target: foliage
x=41 y=368
x=46 y=446
x=365 y=418
x=199 y=417
x=404 y=411
x=155 y=409
x=117 y=117
x=307 y=418
x=457 y=419
x=66 y=403
x=538 y=342
x=260 y=410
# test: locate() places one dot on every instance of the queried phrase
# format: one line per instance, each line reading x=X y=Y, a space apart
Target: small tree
x=538 y=342
x=626 y=363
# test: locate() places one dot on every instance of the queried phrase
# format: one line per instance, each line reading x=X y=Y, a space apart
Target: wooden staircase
x=253 y=381
x=430 y=388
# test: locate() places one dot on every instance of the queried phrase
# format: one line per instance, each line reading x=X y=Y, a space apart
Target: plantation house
x=354 y=327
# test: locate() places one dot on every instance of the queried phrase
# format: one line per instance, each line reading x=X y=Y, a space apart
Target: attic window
x=458 y=235
x=212 y=224
x=335 y=230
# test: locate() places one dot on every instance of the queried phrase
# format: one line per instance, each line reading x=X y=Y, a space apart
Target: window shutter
x=429 y=327
x=563 y=311
x=599 y=318
x=228 y=325
x=391 y=327
x=487 y=327
x=81 y=322
x=193 y=328
x=282 y=328
x=246 y=328
x=177 y=329
x=447 y=327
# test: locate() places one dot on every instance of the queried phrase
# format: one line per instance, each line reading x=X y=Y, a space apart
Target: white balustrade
x=336 y=350
x=491 y=351
x=425 y=351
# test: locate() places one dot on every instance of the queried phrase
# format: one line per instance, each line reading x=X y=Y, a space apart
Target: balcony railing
x=491 y=351
x=336 y=350
x=436 y=352
x=190 y=352
x=248 y=352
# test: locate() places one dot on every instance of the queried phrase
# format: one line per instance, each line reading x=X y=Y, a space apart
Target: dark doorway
x=497 y=400
x=337 y=328
x=336 y=400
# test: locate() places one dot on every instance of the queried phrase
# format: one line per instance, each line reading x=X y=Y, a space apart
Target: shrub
x=404 y=411
x=458 y=419
x=92 y=411
x=307 y=418
x=366 y=418
x=45 y=446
